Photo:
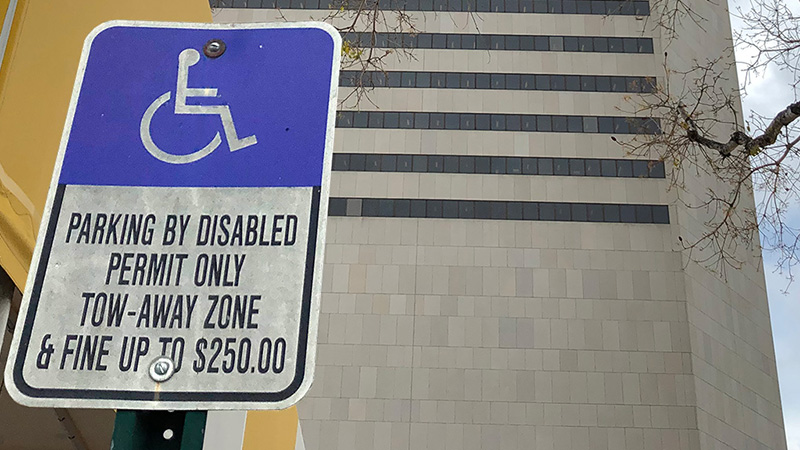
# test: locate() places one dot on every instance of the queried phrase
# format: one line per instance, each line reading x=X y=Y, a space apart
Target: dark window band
x=598 y=44
x=497 y=165
x=498 y=81
x=497 y=122
x=622 y=8
x=498 y=210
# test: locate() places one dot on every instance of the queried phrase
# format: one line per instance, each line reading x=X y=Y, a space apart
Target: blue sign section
x=154 y=110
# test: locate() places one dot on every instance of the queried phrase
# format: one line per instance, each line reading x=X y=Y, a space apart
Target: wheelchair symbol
x=186 y=59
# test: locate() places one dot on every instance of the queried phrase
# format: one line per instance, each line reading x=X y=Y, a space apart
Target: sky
x=785 y=313
x=768 y=94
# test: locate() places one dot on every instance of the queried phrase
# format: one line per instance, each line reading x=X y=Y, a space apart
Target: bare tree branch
x=752 y=145
x=703 y=134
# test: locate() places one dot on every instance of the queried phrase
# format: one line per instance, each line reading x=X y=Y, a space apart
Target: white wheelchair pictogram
x=186 y=59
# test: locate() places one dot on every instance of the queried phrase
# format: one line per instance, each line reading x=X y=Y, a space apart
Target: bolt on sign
x=179 y=262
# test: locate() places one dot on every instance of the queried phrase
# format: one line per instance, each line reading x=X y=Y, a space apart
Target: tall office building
x=499 y=274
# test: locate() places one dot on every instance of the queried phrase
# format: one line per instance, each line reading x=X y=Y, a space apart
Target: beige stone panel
x=504 y=187
x=543 y=144
x=496 y=101
x=512 y=61
x=462 y=22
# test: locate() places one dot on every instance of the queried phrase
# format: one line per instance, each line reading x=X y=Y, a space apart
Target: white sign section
x=179 y=261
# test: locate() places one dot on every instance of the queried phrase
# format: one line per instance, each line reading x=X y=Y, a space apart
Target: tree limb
x=752 y=145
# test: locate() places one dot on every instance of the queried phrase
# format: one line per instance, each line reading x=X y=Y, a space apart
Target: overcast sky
x=768 y=95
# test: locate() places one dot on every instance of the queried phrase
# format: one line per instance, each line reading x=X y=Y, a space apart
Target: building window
x=456 y=41
x=597 y=7
x=498 y=122
x=498 y=210
x=497 y=81
x=498 y=165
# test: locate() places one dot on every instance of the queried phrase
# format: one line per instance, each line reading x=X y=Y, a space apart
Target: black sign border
x=165 y=396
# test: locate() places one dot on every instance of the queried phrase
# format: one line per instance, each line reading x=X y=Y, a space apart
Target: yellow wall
x=271 y=430
x=36 y=79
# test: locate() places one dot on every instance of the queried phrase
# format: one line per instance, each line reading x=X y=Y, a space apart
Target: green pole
x=158 y=430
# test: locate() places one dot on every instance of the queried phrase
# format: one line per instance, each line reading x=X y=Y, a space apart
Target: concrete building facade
x=499 y=273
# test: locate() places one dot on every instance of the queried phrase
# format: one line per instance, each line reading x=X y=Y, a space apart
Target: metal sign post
x=158 y=430
x=179 y=261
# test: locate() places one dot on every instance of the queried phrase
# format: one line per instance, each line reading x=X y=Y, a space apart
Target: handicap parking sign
x=179 y=260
